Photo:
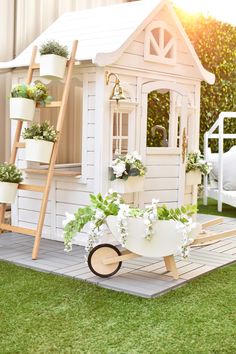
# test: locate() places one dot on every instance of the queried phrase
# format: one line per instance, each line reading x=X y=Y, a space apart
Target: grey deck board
x=143 y=276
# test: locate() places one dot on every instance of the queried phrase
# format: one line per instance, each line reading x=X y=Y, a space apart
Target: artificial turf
x=45 y=313
x=211 y=208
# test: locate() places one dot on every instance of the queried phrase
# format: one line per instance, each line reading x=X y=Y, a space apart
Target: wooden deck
x=146 y=277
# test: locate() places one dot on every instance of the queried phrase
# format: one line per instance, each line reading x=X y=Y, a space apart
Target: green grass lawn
x=45 y=313
x=211 y=208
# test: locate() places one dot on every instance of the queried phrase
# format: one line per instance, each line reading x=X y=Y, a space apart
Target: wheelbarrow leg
x=171 y=266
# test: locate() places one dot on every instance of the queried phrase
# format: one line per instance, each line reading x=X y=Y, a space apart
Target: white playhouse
x=142 y=47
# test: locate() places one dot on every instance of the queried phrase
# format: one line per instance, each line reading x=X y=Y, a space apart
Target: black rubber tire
x=93 y=252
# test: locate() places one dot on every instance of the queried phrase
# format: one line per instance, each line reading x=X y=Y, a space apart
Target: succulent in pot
x=39 y=140
x=53 y=59
x=24 y=98
x=10 y=177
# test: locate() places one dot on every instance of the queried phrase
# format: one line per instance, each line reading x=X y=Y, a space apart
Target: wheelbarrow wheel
x=97 y=256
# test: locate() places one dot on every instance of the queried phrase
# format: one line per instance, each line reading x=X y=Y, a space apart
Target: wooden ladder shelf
x=17 y=144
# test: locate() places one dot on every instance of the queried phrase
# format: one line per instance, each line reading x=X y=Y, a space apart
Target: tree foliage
x=215 y=44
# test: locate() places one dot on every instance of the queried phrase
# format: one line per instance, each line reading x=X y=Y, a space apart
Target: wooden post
x=171 y=266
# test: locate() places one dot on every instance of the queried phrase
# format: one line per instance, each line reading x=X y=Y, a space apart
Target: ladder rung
x=18 y=229
x=55 y=172
x=53 y=104
x=31 y=187
x=35 y=66
x=20 y=145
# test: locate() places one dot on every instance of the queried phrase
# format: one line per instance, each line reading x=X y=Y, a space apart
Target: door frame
x=172 y=87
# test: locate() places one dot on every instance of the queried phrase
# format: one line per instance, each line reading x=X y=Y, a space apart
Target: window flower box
x=131 y=185
x=193 y=178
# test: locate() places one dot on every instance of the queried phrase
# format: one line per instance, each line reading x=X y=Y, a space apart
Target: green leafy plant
x=95 y=213
x=195 y=162
x=36 y=91
x=43 y=131
x=54 y=47
x=10 y=173
x=127 y=165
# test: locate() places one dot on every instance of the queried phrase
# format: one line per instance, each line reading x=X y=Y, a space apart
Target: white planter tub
x=193 y=178
x=38 y=150
x=166 y=240
x=52 y=66
x=22 y=108
x=131 y=185
x=8 y=192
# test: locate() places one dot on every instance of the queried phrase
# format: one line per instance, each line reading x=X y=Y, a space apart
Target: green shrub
x=10 y=173
x=36 y=91
x=43 y=131
x=54 y=47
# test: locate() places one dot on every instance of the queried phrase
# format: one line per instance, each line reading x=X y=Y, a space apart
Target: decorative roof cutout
x=160 y=44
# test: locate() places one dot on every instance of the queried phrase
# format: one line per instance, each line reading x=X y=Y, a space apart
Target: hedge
x=215 y=44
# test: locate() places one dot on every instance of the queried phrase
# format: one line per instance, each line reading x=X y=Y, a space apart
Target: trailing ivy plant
x=100 y=208
x=195 y=162
x=43 y=131
x=10 y=173
x=54 y=47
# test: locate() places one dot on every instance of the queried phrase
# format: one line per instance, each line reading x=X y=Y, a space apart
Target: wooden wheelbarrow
x=105 y=259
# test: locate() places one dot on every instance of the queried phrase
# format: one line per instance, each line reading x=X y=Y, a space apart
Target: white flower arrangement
x=127 y=165
x=196 y=162
x=112 y=204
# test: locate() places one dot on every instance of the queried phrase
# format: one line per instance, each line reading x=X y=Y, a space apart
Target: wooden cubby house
x=145 y=45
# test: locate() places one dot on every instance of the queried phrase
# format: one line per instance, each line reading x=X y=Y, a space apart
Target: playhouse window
x=120 y=137
x=158 y=125
x=160 y=44
x=70 y=149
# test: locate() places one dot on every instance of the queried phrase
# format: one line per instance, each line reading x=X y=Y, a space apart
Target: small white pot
x=38 y=150
x=22 y=108
x=193 y=178
x=131 y=185
x=166 y=238
x=52 y=66
x=8 y=192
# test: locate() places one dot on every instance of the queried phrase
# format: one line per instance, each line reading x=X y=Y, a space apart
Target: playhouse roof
x=105 y=32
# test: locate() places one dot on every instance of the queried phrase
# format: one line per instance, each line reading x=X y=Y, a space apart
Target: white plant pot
x=131 y=185
x=38 y=150
x=22 y=108
x=166 y=239
x=193 y=178
x=52 y=66
x=8 y=192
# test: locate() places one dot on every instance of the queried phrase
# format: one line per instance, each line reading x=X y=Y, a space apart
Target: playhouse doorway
x=165 y=159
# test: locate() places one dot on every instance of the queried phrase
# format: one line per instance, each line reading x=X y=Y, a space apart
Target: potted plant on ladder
x=196 y=166
x=10 y=177
x=53 y=59
x=127 y=173
x=24 y=98
x=39 y=140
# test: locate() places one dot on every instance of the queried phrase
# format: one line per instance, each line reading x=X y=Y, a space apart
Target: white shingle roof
x=99 y=30
x=104 y=32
